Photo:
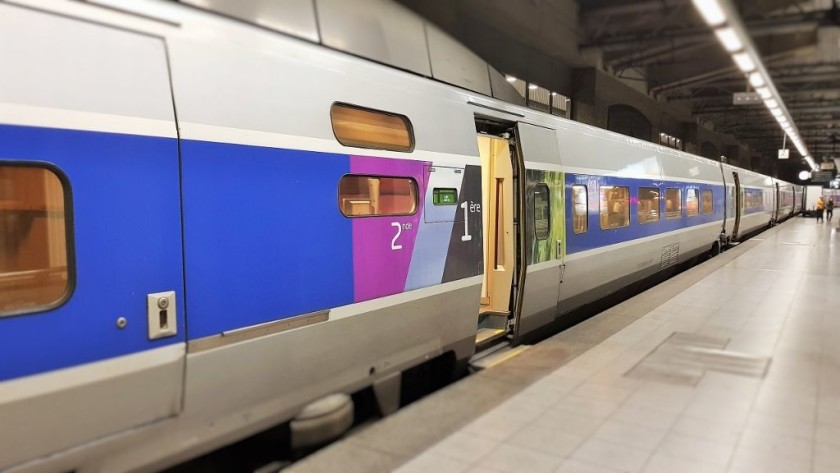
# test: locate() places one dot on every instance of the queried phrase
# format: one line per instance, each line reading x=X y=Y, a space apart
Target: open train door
x=739 y=204
x=501 y=166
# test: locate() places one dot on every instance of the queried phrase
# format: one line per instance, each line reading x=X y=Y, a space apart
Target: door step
x=485 y=335
x=496 y=355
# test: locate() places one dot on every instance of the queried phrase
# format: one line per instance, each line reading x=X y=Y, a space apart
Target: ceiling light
x=776 y=112
x=757 y=80
x=804 y=175
x=711 y=11
x=729 y=39
x=744 y=62
x=510 y=78
x=771 y=103
x=764 y=92
x=532 y=86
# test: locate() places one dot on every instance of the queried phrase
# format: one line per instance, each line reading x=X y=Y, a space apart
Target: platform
x=731 y=366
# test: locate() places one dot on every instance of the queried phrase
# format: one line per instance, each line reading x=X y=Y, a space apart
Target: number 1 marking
x=394 y=245
x=467 y=236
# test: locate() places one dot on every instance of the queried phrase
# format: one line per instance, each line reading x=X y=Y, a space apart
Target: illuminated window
x=368 y=196
x=580 y=209
x=707 y=202
x=692 y=203
x=673 y=203
x=542 y=212
x=34 y=273
x=366 y=128
x=615 y=207
x=648 y=205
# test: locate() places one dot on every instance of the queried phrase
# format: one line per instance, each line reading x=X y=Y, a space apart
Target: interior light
x=532 y=86
x=757 y=80
x=510 y=78
x=771 y=103
x=711 y=11
x=744 y=62
x=729 y=39
x=764 y=92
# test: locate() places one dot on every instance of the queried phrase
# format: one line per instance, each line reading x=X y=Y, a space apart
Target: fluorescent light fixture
x=804 y=175
x=764 y=92
x=771 y=103
x=729 y=39
x=554 y=94
x=757 y=80
x=711 y=11
x=532 y=86
x=744 y=62
x=777 y=112
x=510 y=78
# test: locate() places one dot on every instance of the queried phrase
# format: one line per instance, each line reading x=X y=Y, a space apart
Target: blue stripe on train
x=595 y=237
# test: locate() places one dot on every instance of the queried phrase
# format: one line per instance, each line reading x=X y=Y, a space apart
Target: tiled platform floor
x=591 y=400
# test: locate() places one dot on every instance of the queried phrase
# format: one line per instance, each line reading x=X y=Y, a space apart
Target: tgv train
x=207 y=227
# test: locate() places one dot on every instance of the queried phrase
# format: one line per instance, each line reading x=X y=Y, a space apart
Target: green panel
x=445 y=196
x=542 y=250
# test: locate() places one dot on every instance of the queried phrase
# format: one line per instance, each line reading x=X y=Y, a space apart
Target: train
x=209 y=229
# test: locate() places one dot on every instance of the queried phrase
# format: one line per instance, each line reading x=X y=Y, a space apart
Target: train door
x=91 y=275
x=543 y=222
x=500 y=200
x=739 y=204
x=777 y=213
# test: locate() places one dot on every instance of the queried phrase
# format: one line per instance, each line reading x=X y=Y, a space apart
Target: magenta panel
x=382 y=246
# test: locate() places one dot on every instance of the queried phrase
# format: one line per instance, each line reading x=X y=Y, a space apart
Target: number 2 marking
x=467 y=236
x=394 y=245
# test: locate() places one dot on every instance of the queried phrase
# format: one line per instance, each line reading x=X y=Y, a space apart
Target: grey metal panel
x=539 y=306
x=503 y=90
x=294 y=17
x=678 y=166
x=52 y=61
x=538 y=144
x=616 y=155
x=287 y=87
x=453 y=63
x=39 y=425
x=381 y=30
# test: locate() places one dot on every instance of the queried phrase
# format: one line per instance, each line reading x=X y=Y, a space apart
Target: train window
x=580 y=209
x=648 y=210
x=673 y=203
x=366 y=128
x=34 y=268
x=445 y=196
x=706 y=197
x=542 y=212
x=370 y=196
x=615 y=207
x=692 y=203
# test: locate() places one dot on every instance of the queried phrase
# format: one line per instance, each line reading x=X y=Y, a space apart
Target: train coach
x=209 y=229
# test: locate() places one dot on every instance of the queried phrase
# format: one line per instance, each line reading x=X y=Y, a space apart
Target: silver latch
x=162 y=315
x=559 y=248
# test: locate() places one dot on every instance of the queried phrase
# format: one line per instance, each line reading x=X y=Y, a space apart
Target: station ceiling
x=665 y=45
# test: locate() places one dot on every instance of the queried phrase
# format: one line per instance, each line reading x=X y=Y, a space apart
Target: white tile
x=430 y=463
x=828 y=434
x=585 y=406
x=497 y=425
x=513 y=459
x=748 y=460
x=827 y=456
x=465 y=446
x=696 y=449
x=553 y=439
x=631 y=435
x=661 y=463
x=708 y=429
x=611 y=455
x=646 y=417
x=772 y=423
x=777 y=442
x=574 y=466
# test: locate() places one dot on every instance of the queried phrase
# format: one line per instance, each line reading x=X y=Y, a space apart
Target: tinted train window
x=542 y=211
x=648 y=211
x=673 y=203
x=707 y=202
x=366 y=128
x=368 y=196
x=615 y=207
x=692 y=203
x=34 y=271
x=580 y=209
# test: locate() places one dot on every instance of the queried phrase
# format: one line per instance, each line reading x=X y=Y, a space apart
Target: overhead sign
x=746 y=98
x=821 y=176
x=826 y=165
x=784 y=153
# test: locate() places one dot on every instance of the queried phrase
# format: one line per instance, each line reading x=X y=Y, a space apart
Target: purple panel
x=381 y=261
